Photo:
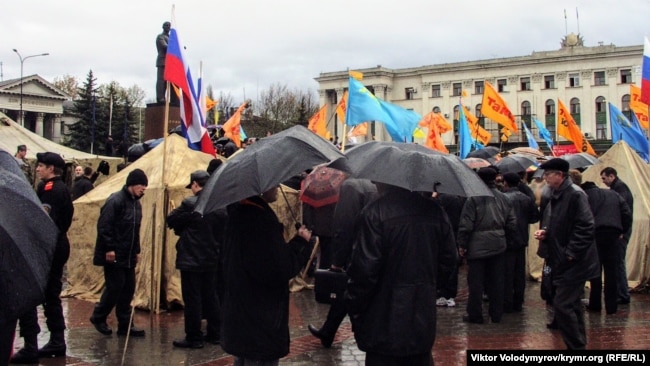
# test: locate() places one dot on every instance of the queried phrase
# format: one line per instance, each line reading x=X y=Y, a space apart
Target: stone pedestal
x=154 y=120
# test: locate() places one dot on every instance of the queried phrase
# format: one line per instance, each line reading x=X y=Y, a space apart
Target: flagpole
x=345 y=137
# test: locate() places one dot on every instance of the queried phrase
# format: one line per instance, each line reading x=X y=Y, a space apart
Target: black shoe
x=102 y=327
x=52 y=350
x=25 y=356
x=184 y=343
x=324 y=340
x=623 y=301
x=135 y=332
x=467 y=319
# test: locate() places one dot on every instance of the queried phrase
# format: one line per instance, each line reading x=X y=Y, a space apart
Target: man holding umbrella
x=55 y=197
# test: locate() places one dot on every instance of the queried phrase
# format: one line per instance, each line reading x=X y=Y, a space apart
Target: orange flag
x=232 y=127
x=359 y=130
x=478 y=133
x=568 y=129
x=433 y=121
x=318 y=123
x=638 y=107
x=341 y=107
x=496 y=109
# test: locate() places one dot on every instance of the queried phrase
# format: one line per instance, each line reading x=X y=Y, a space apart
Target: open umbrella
x=27 y=242
x=8 y=162
x=476 y=163
x=414 y=167
x=515 y=163
x=322 y=186
x=487 y=152
x=265 y=164
x=527 y=151
x=580 y=160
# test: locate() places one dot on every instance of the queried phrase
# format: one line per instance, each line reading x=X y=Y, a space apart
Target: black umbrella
x=27 y=242
x=265 y=164
x=10 y=163
x=580 y=160
x=487 y=152
x=414 y=167
x=515 y=163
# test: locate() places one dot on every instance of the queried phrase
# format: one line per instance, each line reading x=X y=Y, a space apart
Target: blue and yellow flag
x=531 y=139
x=363 y=106
x=544 y=133
x=464 y=137
x=630 y=132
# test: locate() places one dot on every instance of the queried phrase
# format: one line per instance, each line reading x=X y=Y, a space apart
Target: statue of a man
x=161 y=45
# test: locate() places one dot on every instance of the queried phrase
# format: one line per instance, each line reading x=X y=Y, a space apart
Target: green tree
x=80 y=134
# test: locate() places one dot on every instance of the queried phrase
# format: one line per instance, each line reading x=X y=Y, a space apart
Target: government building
x=583 y=78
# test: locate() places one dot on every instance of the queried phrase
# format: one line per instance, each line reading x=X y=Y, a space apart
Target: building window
x=478 y=87
x=601 y=118
x=501 y=85
x=436 y=109
x=625 y=106
x=410 y=93
x=457 y=89
x=626 y=76
x=526 y=113
x=549 y=82
x=599 y=78
x=574 y=80
x=549 y=116
x=435 y=90
x=574 y=109
x=477 y=113
x=549 y=107
x=525 y=83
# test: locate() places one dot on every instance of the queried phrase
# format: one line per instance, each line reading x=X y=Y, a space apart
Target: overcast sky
x=247 y=45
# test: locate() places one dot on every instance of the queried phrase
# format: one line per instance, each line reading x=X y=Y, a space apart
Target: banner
x=496 y=109
x=567 y=128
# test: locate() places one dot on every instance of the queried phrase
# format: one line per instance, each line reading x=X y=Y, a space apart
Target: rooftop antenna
x=578 y=20
x=566 y=28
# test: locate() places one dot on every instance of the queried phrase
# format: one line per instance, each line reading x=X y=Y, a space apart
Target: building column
x=39 y=124
x=380 y=130
x=56 y=129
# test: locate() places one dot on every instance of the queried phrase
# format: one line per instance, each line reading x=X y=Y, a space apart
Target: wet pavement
x=629 y=329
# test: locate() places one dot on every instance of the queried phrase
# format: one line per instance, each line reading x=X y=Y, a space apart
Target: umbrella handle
x=435 y=186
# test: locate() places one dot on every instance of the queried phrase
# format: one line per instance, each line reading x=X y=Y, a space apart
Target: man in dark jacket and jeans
x=197 y=257
x=487 y=225
x=567 y=232
x=402 y=242
x=117 y=249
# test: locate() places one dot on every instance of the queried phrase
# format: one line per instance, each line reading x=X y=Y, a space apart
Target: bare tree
x=68 y=84
x=135 y=95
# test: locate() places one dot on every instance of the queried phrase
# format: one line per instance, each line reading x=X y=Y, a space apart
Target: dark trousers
x=52 y=308
x=448 y=287
x=514 y=279
x=335 y=316
x=201 y=302
x=376 y=359
x=482 y=273
x=7 y=334
x=118 y=293
x=608 y=254
x=325 y=256
x=623 y=289
x=570 y=315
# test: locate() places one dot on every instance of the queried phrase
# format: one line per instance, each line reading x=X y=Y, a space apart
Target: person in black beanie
x=117 y=249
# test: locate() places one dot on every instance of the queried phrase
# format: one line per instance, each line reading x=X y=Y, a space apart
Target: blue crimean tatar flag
x=532 y=143
x=544 y=133
x=630 y=132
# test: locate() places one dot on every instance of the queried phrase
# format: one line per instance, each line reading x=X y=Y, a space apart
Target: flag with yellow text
x=496 y=109
x=434 y=122
x=318 y=122
x=567 y=128
x=341 y=107
x=638 y=107
x=232 y=127
x=478 y=133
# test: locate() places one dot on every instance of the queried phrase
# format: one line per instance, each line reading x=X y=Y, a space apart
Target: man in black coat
x=117 y=249
x=487 y=226
x=83 y=182
x=258 y=264
x=403 y=240
x=197 y=258
x=515 y=271
x=55 y=197
x=612 y=219
x=355 y=194
x=567 y=232
x=610 y=177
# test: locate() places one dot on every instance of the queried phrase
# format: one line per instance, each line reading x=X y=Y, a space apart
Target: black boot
x=325 y=339
x=29 y=352
x=55 y=347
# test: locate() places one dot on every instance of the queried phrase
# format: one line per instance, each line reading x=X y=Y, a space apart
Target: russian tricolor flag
x=178 y=72
x=645 y=73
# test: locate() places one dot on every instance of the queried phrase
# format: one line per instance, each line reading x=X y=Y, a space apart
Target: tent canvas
x=12 y=134
x=635 y=173
x=157 y=279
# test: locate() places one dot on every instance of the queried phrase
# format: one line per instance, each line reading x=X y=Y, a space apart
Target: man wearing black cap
x=117 y=249
x=487 y=227
x=197 y=257
x=567 y=232
x=55 y=197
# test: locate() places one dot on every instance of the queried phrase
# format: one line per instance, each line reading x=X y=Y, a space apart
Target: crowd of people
x=401 y=251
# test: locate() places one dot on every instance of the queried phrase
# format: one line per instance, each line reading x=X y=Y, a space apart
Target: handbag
x=329 y=285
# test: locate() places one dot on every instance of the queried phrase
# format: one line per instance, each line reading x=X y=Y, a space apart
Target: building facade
x=583 y=78
x=42 y=105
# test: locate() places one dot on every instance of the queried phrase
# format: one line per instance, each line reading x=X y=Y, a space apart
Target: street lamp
x=22 y=60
